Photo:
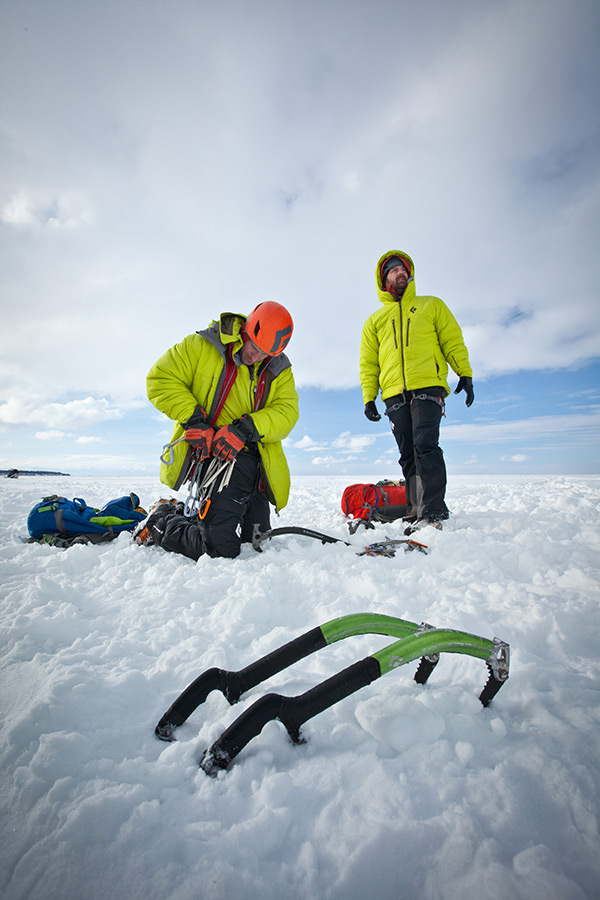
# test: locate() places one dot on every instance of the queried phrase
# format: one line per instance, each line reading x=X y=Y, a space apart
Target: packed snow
x=401 y=790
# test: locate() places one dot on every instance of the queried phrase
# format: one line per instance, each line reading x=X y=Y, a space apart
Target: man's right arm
x=369 y=363
x=170 y=380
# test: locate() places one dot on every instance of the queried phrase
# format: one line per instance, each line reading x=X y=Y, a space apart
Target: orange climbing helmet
x=270 y=327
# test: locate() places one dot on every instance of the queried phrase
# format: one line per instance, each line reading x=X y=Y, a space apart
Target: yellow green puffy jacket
x=407 y=345
x=193 y=373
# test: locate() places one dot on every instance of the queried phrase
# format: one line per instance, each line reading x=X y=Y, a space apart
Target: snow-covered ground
x=401 y=791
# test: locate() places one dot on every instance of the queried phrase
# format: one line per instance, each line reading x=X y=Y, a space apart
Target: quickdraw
x=202 y=484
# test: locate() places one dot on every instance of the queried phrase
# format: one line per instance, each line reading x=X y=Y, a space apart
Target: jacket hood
x=383 y=295
x=228 y=331
x=225 y=330
x=230 y=327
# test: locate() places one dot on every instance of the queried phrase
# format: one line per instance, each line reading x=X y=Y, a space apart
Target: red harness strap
x=260 y=390
x=228 y=380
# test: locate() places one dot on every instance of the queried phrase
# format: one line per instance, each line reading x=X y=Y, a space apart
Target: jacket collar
x=408 y=295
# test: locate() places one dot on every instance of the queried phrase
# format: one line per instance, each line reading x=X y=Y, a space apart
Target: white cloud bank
x=530 y=435
x=163 y=162
x=542 y=429
x=56 y=416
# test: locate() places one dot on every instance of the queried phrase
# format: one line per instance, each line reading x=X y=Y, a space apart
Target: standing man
x=405 y=349
x=231 y=393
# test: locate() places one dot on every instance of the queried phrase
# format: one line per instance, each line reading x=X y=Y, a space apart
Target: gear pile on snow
x=368 y=503
x=62 y=523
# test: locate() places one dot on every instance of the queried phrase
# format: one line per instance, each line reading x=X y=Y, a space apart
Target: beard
x=398 y=286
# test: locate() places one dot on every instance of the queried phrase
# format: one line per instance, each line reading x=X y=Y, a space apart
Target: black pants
x=230 y=519
x=416 y=426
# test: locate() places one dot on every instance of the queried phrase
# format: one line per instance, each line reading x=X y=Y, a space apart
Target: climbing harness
x=410 y=400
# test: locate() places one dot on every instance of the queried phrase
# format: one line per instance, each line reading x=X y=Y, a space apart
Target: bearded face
x=396 y=281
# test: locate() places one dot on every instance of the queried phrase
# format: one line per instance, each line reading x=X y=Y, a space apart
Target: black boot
x=142 y=533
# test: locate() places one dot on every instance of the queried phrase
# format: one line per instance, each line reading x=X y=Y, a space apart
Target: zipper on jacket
x=407 y=331
x=253 y=385
x=395 y=335
x=402 y=348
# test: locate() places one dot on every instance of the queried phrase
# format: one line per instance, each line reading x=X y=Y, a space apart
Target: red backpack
x=383 y=502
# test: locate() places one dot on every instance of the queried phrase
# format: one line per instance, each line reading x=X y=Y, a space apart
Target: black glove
x=371 y=411
x=198 y=418
x=465 y=384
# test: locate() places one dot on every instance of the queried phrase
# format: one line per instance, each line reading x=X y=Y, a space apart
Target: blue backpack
x=56 y=520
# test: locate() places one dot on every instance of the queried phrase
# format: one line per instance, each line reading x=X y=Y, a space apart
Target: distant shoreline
x=4 y=473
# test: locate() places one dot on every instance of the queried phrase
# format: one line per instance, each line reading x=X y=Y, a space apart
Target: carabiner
x=169 y=447
x=204 y=508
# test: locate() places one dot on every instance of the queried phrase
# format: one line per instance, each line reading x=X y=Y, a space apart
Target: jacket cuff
x=197 y=418
x=246 y=424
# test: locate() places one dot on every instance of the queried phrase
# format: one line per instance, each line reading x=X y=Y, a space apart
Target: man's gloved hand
x=201 y=439
x=230 y=439
x=198 y=433
x=371 y=411
x=197 y=418
x=465 y=384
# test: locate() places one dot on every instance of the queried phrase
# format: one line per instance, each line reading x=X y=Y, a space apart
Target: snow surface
x=401 y=791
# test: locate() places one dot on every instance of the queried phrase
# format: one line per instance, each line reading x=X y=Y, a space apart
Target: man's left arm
x=452 y=343
x=455 y=352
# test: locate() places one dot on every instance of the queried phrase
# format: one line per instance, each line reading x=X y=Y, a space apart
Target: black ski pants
x=230 y=519
x=415 y=418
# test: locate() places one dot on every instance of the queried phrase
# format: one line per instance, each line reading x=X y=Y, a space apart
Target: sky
x=162 y=161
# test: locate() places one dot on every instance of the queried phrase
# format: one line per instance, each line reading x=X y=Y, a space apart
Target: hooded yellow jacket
x=406 y=345
x=194 y=372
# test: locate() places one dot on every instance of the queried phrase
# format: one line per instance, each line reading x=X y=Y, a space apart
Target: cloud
x=230 y=153
x=305 y=443
x=89 y=439
x=120 y=216
x=50 y=435
x=23 y=208
x=324 y=461
x=54 y=435
x=543 y=429
x=110 y=464
x=70 y=414
x=352 y=445
x=17 y=210
x=353 y=442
